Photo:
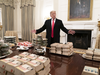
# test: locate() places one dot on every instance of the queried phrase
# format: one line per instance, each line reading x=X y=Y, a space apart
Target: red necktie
x=52 y=34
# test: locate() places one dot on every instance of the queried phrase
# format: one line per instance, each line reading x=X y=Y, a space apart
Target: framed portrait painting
x=80 y=10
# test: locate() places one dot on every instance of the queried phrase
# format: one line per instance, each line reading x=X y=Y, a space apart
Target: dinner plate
x=10 y=52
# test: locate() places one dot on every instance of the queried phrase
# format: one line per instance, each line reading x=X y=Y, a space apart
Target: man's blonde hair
x=52 y=11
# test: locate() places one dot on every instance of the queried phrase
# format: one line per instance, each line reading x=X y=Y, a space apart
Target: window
x=0 y=16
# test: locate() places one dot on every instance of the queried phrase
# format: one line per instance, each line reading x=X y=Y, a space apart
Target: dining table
x=61 y=64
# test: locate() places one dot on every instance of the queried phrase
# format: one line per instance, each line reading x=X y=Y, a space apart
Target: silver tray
x=10 y=52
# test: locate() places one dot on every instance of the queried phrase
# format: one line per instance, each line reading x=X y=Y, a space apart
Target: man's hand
x=71 y=32
x=33 y=31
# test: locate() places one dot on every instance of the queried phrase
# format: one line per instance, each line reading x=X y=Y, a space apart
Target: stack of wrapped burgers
x=25 y=64
x=63 y=49
x=89 y=54
x=53 y=47
x=59 y=48
x=67 y=49
x=96 y=55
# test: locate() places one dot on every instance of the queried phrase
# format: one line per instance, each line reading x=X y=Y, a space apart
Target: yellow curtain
x=97 y=45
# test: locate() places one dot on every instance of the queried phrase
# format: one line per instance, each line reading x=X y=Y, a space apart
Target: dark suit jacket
x=47 y=25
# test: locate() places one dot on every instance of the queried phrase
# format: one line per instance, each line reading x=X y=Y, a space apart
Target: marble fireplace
x=85 y=36
x=81 y=39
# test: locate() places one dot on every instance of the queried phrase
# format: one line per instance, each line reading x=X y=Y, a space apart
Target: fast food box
x=89 y=52
x=59 y=46
x=70 y=44
x=47 y=71
x=24 y=69
x=9 y=73
x=43 y=60
x=52 y=51
x=90 y=71
x=10 y=67
x=2 y=71
x=91 y=49
x=66 y=53
x=32 y=56
x=53 y=46
x=24 y=54
x=36 y=65
x=88 y=57
x=4 y=61
x=66 y=50
x=24 y=60
x=59 y=51
x=66 y=46
x=96 y=58
x=2 y=74
x=97 y=53
x=47 y=67
x=16 y=57
x=41 y=72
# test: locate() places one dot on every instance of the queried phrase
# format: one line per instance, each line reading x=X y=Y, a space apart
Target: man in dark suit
x=53 y=27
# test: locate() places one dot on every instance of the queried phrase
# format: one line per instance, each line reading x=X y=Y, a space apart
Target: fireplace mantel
x=81 y=26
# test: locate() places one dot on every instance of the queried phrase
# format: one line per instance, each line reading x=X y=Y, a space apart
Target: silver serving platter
x=10 y=52
x=26 y=48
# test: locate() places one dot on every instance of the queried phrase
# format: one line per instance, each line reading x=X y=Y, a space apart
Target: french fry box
x=43 y=60
x=36 y=65
x=24 y=60
x=16 y=57
x=4 y=61
x=12 y=65
x=41 y=72
x=24 y=54
x=24 y=70
x=8 y=73
x=32 y=56
x=2 y=71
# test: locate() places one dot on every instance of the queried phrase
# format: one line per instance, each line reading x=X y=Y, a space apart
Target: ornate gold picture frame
x=80 y=10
